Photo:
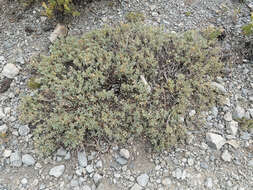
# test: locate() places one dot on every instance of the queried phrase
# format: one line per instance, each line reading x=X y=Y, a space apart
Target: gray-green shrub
x=127 y=81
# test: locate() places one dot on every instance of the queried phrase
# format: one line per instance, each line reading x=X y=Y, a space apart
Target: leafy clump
x=248 y=28
x=33 y=83
x=116 y=83
x=135 y=17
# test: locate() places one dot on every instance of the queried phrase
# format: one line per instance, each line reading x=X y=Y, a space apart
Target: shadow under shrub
x=115 y=83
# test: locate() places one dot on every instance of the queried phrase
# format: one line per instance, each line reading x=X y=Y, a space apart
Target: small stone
x=250 y=163
x=82 y=159
x=57 y=171
x=204 y=165
x=24 y=130
x=28 y=160
x=121 y=161
x=219 y=87
x=143 y=179
x=136 y=187
x=74 y=183
x=99 y=164
x=245 y=136
x=61 y=152
x=209 y=183
x=226 y=156
x=215 y=141
x=10 y=70
x=215 y=111
x=228 y=116
x=7 y=153
x=124 y=153
x=3 y=129
x=59 y=31
x=166 y=181
x=190 y=161
x=89 y=169
x=232 y=127
x=86 y=187
x=239 y=112
x=192 y=113
x=15 y=159
x=177 y=173
x=97 y=178
x=24 y=181
x=67 y=157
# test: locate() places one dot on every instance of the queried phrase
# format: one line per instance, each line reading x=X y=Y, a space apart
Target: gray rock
x=99 y=164
x=124 y=153
x=192 y=113
x=228 y=116
x=24 y=130
x=28 y=160
x=15 y=159
x=67 y=157
x=245 y=136
x=10 y=70
x=89 y=169
x=204 y=165
x=74 y=183
x=143 y=179
x=190 y=161
x=82 y=159
x=215 y=111
x=61 y=152
x=97 y=178
x=136 y=187
x=226 y=156
x=57 y=171
x=250 y=163
x=209 y=183
x=215 y=141
x=239 y=112
x=121 y=161
x=219 y=87
x=85 y=187
x=3 y=129
x=2 y=115
x=232 y=128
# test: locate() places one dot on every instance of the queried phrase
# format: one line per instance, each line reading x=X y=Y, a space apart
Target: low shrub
x=120 y=82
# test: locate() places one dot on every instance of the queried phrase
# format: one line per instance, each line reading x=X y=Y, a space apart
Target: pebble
x=143 y=179
x=232 y=128
x=97 y=178
x=15 y=159
x=7 y=153
x=28 y=160
x=24 y=130
x=121 y=161
x=57 y=171
x=228 y=116
x=82 y=159
x=24 y=181
x=215 y=111
x=239 y=112
x=10 y=70
x=99 y=164
x=215 y=141
x=136 y=187
x=226 y=156
x=3 y=129
x=124 y=153
x=89 y=168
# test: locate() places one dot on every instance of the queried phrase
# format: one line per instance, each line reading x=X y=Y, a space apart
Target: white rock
x=59 y=31
x=209 y=183
x=24 y=181
x=226 y=156
x=89 y=169
x=232 y=127
x=136 y=187
x=143 y=179
x=215 y=141
x=228 y=116
x=7 y=153
x=2 y=115
x=82 y=159
x=3 y=129
x=10 y=70
x=57 y=171
x=124 y=153
x=192 y=113
x=28 y=160
x=23 y=130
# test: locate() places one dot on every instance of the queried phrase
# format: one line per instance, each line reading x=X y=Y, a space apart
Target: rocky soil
x=218 y=155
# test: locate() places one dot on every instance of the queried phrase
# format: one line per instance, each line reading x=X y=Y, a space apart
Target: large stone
x=215 y=141
x=143 y=179
x=82 y=159
x=10 y=70
x=15 y=159
x=57 y=171
x=28 y=160
x=239 y=112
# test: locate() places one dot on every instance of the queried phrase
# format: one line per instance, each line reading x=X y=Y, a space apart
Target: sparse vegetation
x=115 y=83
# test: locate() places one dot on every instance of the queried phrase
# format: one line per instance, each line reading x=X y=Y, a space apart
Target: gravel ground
x=218 y=155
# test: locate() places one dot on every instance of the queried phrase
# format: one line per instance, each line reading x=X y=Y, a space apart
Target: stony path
x=218 y=155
